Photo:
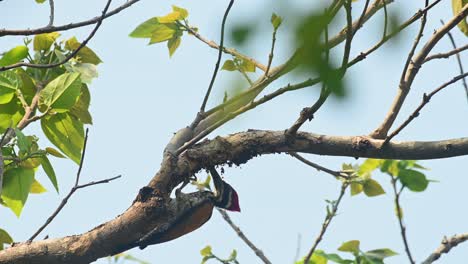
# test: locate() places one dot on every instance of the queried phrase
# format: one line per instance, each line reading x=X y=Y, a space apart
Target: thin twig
x=400 y=219
x=336 y=174
x=446 y=245
x=52 y=13
x=72 y=191
x=328 y=218
x=1 y=158
x=242 y=236
x=67 y=58
x=460 y=64
x=446 y=55
x=426 y=98
x=218 y=61
x=47 y=29
x=270 y=56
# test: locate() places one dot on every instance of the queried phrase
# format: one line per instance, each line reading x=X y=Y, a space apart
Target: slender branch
x=218 y=61
x=413 y=69
x=426 y=98
x=52 y=11
x=71 y=192
x=446 y=55
x=48 y=29
x=446 y=245
x=400 y=218
x=459 y=61
x=328 y=218
x=270 y=56
x=67 y=58
x=242 y=236
x=336 y=174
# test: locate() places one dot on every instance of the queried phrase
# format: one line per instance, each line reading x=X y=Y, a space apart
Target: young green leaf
x=5 y=238
x=381 y=253
x=182 y=11
x=233 y=255
x=40 y=1
x=86 y=54
x=350 y=246
x=247 y=66
x=16 y=186
x=49 y=170
x=10 y=114
x=61 y=93
x=368 y=166
x=87 y=71
x=80 y=109
x=9 y=83
x=145 y=29
x=27 y=86
x=372 y=188
x=66 y=133
x=457 y=6
x=37 y=188
x=163 y=32
x=44 y=41
x=173 y=44
x=413 y=180
x=54 y=152
x=356 y=188
x=229 y=65
x=206 y=251
x=276 y=21
x=14 y=55
x=23 y=143
x=170 y=18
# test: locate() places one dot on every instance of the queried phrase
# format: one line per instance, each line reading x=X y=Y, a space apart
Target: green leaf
x=54 y=152
x=66 y=133
x=206 y=258
x=368 y=166
x=61 y=93
x=241 y=33
x=49 y=170
x=350 y=246
x=10 y=114
x=145 y=29
x=206 y=251
x=16 y=186
x=457 y=6
x=247 y=66
x=381 y=253
x=390 y=167
x=372 y=188
x=80 y=109
x=40 y=1
x=356 y=188
x=37 y=188
x=229 y=65
x=162 y=32
x=173 y=44
x=87 y=71
x=413 y=180
x=23 y=143
x=27 y=87
x=276 y=21
x=334 y=257
x=86 y=54
x=44 y=41
x=5 y=238
x=233 y=255
x=170 y=18
x=14 y=55
x=9 y=83
x=182 y=11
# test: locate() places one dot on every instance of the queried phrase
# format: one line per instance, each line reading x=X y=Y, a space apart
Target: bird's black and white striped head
x=226 y=197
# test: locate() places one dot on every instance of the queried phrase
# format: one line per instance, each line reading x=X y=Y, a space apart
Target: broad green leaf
x=37 y=188
x=368 y=166
x=247 y=66
x=229 y=66
x=145 y=29
x=80 y=109
x=457 y=6
x=9 y=83
x=10 y=114
x=16 y=186
x=23 y=143
x=66 y=133
x=5 y=238
x=86 y=54
x=390 y=167
x=54 y=152
x=44 y=41
x=356 y=188
x=27 y=87
x=372 y=188
x=413 y=180
x=14 y=55
x=87 y=71
x=182 y=11
x=381 y=253
x=173 y=44
x=49 y=170
x=206 y=251
x=276 y=21
x=350 y=246
x=61 y=93
x=162 y=32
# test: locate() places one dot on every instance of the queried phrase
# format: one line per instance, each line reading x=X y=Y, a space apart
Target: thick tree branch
x=446 y=245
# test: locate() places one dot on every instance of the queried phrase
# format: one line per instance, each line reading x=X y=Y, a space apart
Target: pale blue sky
x=141 y=97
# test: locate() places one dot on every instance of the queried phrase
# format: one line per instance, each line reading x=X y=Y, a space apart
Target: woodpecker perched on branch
x=192 y=210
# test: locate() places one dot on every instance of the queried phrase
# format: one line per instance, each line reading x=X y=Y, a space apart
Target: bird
x=194 y=210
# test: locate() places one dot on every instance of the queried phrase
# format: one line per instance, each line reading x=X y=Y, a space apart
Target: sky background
x=142 y=97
